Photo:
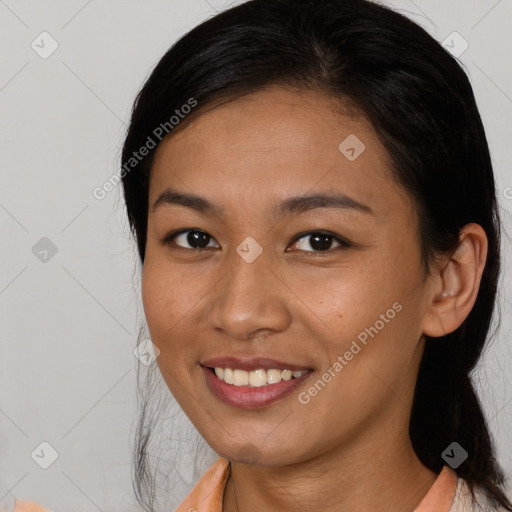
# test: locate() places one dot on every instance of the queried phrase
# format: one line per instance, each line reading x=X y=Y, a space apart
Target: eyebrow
x=292 y=205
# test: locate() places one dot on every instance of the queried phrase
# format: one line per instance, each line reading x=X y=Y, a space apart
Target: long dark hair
x=421 y=104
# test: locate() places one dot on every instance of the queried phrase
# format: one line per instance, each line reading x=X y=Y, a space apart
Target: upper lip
x=253 y=363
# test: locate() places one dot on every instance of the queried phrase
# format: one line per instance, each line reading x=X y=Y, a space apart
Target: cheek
x=173 y=300
x=160 y=297
x=163 y=311
x=153 y=297
x=344 y=300
x=370 y=305
x=164 y=292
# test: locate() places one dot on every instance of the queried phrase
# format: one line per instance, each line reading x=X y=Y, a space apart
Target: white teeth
x=287 y=374
x=256 y=378
x=228 y=376
x=240 y=378
x=273 y=376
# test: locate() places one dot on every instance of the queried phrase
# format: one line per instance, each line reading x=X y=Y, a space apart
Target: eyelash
x=168 y=240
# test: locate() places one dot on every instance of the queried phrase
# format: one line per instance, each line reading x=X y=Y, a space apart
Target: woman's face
x=253 y=279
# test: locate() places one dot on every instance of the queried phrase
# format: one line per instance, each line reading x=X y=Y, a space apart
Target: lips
x=245 y=397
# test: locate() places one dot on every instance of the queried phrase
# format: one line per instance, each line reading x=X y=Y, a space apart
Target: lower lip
x=247 y=397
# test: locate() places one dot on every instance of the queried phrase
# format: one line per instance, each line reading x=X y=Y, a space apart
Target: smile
x=256 y=378
x=263 y=382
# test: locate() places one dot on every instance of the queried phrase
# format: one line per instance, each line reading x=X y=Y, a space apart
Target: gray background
x=69 y=324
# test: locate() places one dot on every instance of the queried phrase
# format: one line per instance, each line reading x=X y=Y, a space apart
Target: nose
x=250 y=301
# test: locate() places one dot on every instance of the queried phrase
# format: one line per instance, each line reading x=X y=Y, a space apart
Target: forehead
x=275 y=143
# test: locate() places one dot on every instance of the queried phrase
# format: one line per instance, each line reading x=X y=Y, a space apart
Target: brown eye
x=196 y=239
x=319 y=241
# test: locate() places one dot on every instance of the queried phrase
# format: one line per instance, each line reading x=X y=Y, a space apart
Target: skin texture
x=348 y=448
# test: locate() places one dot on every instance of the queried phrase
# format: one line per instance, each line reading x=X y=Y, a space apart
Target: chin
x=257 y=455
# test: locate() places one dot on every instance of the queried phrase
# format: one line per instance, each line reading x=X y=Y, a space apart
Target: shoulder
x=464 y=501
x=28 y=506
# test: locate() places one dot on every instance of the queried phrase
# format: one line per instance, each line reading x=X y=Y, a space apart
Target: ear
x=456 y=283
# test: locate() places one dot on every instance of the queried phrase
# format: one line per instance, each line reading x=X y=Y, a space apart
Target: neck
x=385 y=475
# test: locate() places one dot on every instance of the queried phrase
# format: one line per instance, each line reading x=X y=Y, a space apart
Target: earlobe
x=455 y=288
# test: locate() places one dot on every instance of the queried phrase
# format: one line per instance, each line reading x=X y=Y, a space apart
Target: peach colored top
x=207 y=494
x=28 y=506
x=447 y=494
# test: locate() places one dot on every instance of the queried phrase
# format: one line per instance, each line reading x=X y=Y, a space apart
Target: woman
x=313 y=201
